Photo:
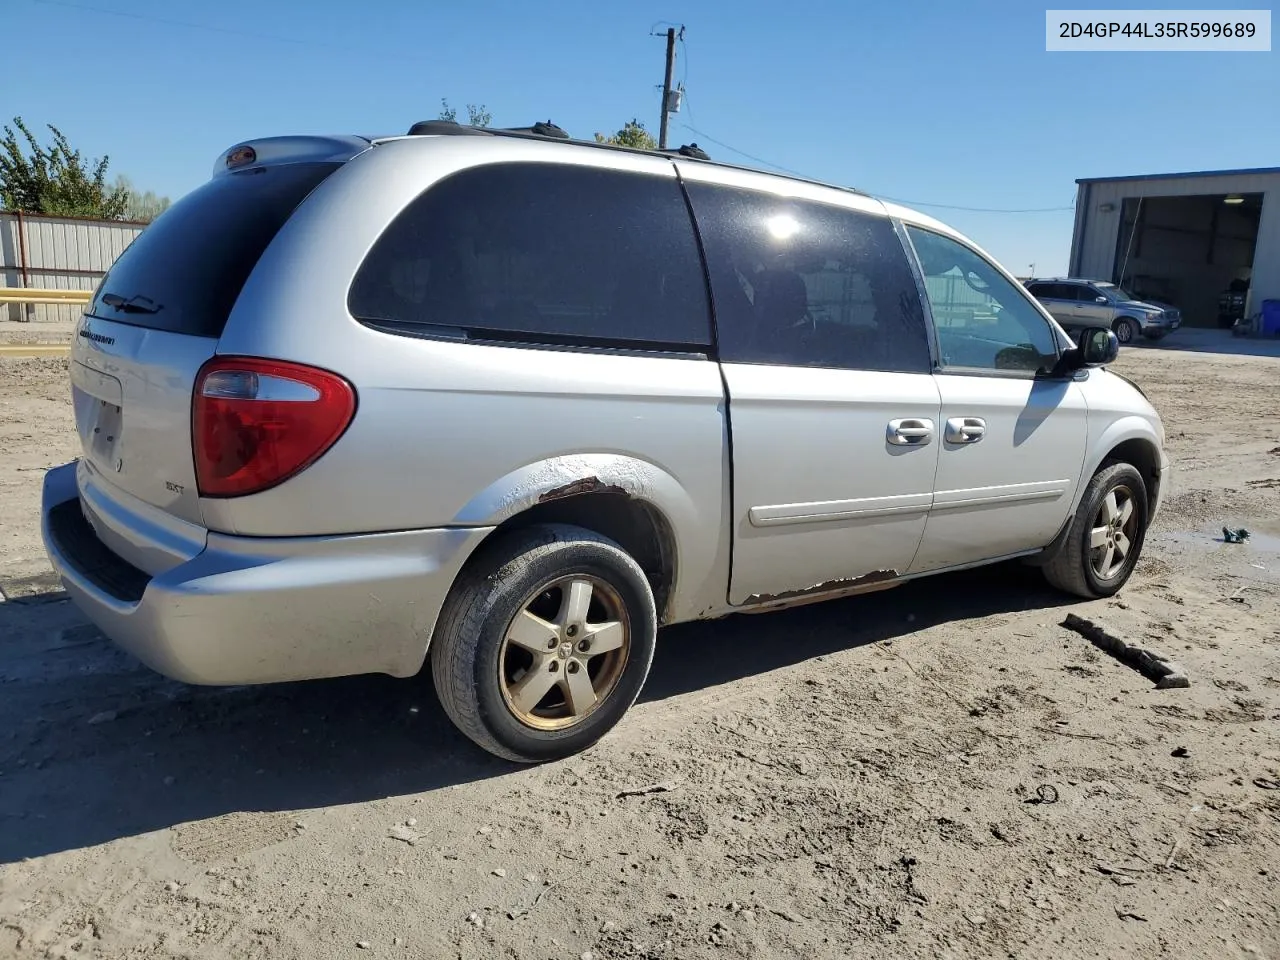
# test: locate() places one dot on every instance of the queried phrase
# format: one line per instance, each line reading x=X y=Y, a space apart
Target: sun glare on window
x=782 y=227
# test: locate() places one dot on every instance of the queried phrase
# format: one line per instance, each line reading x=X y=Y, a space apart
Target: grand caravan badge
x=97 y=337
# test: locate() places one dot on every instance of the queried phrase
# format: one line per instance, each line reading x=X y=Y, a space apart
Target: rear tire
x=1126 y=330
x=1106 y=535
x=544 y=642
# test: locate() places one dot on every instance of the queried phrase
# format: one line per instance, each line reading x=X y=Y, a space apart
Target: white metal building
x=1182 y=237
x=57 y=253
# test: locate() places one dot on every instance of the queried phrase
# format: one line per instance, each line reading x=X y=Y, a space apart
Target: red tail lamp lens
x=256 y=423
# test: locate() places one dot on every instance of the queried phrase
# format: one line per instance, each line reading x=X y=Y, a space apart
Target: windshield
x=1116 y=293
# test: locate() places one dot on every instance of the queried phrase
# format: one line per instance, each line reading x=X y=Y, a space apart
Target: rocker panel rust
x=875 y=580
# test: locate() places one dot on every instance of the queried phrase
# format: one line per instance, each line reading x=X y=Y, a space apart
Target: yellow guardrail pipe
x=33 y=295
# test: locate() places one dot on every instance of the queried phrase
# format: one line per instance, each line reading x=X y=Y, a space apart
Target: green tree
x=632 y=134
x=477 y=114
x=55 y=179
x=143 y=207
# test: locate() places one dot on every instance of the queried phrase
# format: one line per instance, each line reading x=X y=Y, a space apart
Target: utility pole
x=666 y=87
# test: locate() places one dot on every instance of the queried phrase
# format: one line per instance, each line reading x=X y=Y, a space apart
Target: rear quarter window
x=541 y=253
x=191 y=263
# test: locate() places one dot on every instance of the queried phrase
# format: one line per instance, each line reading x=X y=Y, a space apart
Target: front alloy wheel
x=1105 y=537
x=1113 y=533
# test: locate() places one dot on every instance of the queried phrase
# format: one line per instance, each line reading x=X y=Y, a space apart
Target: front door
x=1089 y=312
x=1012 y=441
x=833 y=411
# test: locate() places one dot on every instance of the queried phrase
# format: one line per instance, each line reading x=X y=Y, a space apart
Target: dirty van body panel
x=826 y=363
x=822 y=503
x=1014 y=491
x=131 y=393
x=153 y=322
x=447 y=423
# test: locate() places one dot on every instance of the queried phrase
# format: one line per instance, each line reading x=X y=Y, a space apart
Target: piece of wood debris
x=664 y=787
x=1152 y=664
x=1125 y=914
x=1115 y=869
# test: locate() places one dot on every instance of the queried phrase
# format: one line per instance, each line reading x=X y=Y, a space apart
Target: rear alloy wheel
x=564 y=652
x=544 y=642
x=1106 y=535
x=1126 y=330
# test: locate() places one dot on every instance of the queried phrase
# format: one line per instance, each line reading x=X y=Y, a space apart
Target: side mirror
x=1096 y=346
x=1099 y=299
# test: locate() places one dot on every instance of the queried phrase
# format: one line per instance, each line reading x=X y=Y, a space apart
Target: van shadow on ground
x=172 y=753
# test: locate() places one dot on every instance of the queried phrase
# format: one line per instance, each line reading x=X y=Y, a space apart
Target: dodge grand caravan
x=510 y=403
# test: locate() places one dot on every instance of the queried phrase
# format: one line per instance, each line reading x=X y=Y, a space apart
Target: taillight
x=256 y=423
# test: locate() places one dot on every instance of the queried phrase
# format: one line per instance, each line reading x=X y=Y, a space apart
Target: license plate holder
x=104 y=433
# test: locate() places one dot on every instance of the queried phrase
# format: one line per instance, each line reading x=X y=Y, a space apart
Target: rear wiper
x=137 y=304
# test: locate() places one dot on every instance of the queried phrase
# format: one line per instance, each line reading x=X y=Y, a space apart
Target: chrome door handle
x=966 y=429
x=910 y=432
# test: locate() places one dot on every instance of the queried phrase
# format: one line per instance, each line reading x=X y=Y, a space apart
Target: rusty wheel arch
x=636 y=525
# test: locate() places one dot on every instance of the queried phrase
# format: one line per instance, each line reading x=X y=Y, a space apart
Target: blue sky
x=923 y=101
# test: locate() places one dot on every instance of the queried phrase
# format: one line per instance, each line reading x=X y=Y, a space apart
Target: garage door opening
x=1188 y=251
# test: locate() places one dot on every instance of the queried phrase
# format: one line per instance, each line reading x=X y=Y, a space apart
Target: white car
x=508 y=403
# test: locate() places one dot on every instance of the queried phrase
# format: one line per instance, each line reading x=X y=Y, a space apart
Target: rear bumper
x=261 y=610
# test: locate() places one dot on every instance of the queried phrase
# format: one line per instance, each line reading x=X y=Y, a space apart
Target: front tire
x=1126 y=330
x=544 y=642
x=1106 y=535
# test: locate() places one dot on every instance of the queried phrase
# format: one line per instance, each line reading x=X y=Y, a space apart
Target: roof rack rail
x=546 y=130
x=691 y=150
x=540 y=129
x=543 y=129
x=424 y=128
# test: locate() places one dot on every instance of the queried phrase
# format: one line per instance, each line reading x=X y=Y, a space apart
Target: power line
x=912 y=203
x=741 y=153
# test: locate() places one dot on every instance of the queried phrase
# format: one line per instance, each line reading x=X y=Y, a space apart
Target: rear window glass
x=541 y=253
x=184 y=272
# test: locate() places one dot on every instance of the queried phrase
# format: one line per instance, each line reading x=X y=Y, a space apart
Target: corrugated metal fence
x=58 y=253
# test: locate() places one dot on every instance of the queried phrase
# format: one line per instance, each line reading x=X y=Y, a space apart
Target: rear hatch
x=153 y=322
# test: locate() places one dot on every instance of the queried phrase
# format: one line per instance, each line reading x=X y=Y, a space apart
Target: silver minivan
x=505 y=404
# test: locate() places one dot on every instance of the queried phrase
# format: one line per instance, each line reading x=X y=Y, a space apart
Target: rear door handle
x=966 y=429
x=911 y=432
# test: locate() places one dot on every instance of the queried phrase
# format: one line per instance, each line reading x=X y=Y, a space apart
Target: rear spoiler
x=275 y=150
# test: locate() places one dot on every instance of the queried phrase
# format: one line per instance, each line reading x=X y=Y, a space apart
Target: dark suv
x=1231 y=303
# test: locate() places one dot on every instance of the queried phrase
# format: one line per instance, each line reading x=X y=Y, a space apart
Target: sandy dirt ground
x=939 y=771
